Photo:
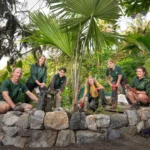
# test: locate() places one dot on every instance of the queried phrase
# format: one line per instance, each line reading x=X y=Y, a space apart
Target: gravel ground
x=124 y=143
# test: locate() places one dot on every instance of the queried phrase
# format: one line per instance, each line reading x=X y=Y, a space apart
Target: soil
x=124 y=143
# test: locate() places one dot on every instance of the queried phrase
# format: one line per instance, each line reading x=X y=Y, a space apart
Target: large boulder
x=42 y=138
x=23 y=121
x=10 y=118
x=7 y=140
x=65 y=137
x=133 y=117
x=118 y=121
x=21 y=142
x=57 y=120
x=129 y=131
x=102 y=121
x=78 y=121
x=113 y=134
x=24 y=132
x=10 y=131
x=86 y=136
x=91 y=123
x=37 y=120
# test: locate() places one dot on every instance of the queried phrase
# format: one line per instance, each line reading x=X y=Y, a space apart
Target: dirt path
x=134 y=143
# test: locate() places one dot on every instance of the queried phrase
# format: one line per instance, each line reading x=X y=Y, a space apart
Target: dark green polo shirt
x=114 y=73
x=37 y=73
x=141 y=85
x=15 y=90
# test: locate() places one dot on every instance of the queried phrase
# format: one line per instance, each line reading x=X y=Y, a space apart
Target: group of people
x=136 y=93
x=12 y=89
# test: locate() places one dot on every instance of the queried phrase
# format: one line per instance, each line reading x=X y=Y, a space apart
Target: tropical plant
x=74 y=28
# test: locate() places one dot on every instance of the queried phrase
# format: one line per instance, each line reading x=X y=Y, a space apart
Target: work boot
x=135 y=106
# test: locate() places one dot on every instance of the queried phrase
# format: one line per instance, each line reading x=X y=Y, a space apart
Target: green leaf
x=8 y=67
x=19 y=64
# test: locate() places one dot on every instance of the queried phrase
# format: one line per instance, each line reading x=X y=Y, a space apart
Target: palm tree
x=74 y=28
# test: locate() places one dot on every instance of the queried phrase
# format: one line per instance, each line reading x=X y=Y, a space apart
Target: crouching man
x=11 y=93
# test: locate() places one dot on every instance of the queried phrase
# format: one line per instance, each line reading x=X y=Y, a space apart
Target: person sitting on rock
x=115 y=77
x=38 y=76
x=58 y=83
x=93 y=92
x=139 y=91
x=11 y=93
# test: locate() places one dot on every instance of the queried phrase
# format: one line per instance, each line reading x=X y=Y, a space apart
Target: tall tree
x=74 y=28
x=11 y=28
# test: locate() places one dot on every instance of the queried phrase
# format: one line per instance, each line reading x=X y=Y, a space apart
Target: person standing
x=115 y=77
x=11 y=93
x=58 y=83
x=38 y=76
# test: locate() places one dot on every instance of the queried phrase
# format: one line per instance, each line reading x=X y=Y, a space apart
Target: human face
x=110 y=65
x=42 y=60
x=91 y=81
x=17 y=74
x=61 y=73
x=140 y=74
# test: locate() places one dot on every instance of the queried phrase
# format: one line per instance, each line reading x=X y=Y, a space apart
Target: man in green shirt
x=115 y=77
x=11 y=92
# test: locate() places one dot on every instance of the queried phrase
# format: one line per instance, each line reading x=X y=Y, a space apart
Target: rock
x=133 y=117
x=57 y=120
x=10 y=118
x=1 y=118
x=140 y=126
x=91 y=123
x=23 y=121
x=129 y=131
x=113 y=134
x=78 y=121
x=65 y=137
x=102 y=121
x=37 y=120
x=7 y=140
x=118 y=121
x=10 y=131
x=42 y=138
x=2 y=134
x=21 y=142
x=24 y=132
x=87 y=136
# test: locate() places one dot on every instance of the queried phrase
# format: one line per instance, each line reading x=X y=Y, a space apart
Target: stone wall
x=40 y=129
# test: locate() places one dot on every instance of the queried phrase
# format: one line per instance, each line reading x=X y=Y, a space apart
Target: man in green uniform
x=11 y=92
x=114 y=78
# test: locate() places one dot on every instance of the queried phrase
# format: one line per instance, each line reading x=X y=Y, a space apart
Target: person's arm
x=8 y=99
x=119 y=79
x=32 y=96
x=99 y=86
x=51 y=85
x=63 y=85
x=120 y=74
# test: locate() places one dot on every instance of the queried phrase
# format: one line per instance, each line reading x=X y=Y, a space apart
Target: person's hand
x=133 y=90
x=18 y=108
x=114 y=86
x=96 y=89
x=42 y=85
x=81 y=104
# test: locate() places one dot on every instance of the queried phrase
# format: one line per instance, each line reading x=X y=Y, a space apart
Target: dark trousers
x=94 y=101
x=30 y=88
